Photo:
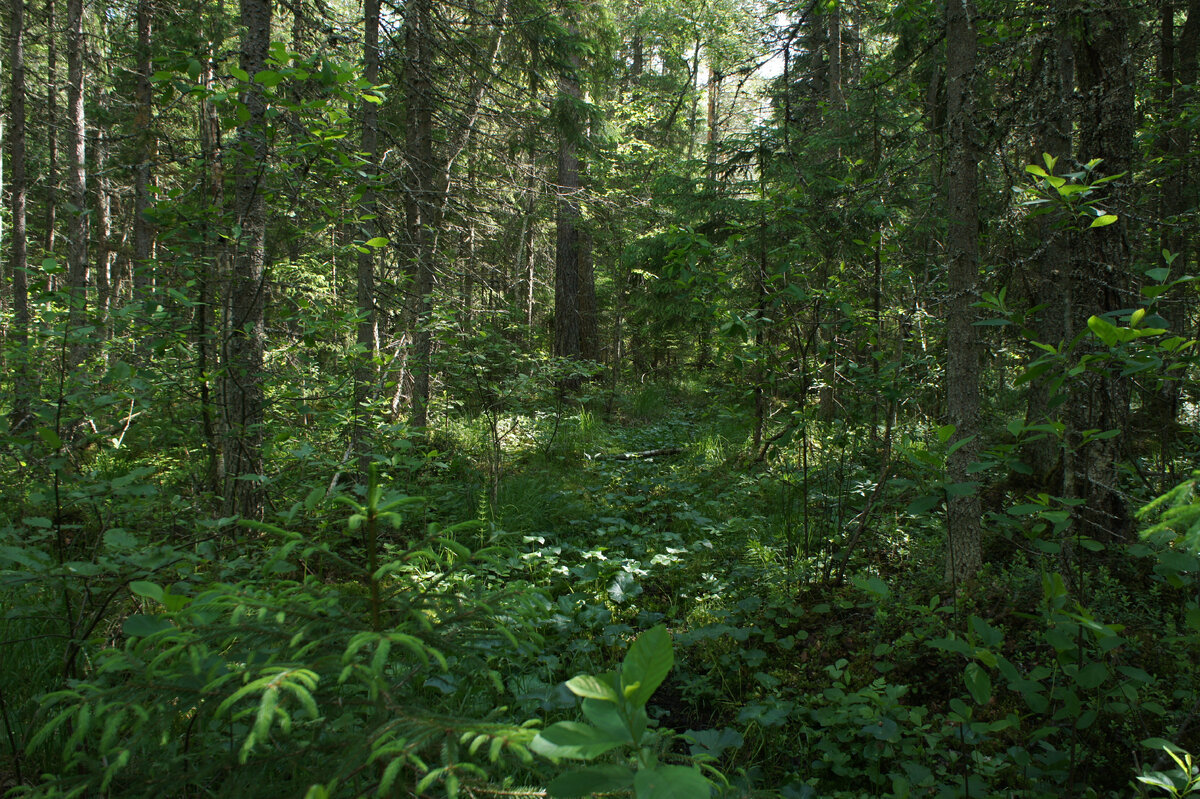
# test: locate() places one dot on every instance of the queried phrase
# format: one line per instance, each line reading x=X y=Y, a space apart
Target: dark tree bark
x=246 y=337
x=1178 y=62
x=1049 y=283
x=574 y=280
x=107 y=280
x=77 y=254
x=526 y=260
x=51 y=125
x=143 y=227
x=589 y=314
x=106 y=283
x=18 y=253
x=368 y=330
x=962 y=250
x=714 y=116
x=419 y=204
x=1099 y=279
x=214 y=261
x=430 y=170
x=566 y=250
x=835 y=51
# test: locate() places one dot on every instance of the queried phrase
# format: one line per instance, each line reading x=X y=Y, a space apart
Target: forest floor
x=816 y=649
x=803 y=663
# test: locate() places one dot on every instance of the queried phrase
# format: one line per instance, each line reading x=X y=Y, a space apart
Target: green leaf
x=1192 y=618
x=594 y=686
x=1161 y=779
x=1035 y=371
x=1105 y=330
x=573 y=741
x=269 y=78
x=988 y=635
x=378 y=241
x=587 y=781
x=1158 y=273
x=193 y=68
x=713 y=742
x=671 y=782
x=646 y=664
x=951 y=645
x=1103 y=220
x=979 y=683
x=608 y=720
x=957 y=445
x=923 y=504
x=873 y=586
x=1091 y=675
x=147 y=589
x=239 y=74
x=50 y=437
x=144 y=626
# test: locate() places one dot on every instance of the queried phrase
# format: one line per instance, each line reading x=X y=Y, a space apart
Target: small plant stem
x=373 y=564
x=12 y=740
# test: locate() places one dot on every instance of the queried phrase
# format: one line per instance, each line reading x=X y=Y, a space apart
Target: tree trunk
x=214 y=259
x=51 y=125
x=714 y=111
x=589 y=314
x=1161 y=401
x=963 y=557
x=574 y=279
x=526 y=261
x=77 y=254
x=418 y=202
x=566 y=249
x=245 y=340
x=1049 y=283
x=837 y=98
x=106 y=253
x=106 y=278
x=431 y=176
x=143 y=227
x=1100 y=283
x=368 y=330
x=20 y=415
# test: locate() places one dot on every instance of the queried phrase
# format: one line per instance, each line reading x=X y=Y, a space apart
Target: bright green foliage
x=267 y=674
x=1184 y=780
x=615 y=704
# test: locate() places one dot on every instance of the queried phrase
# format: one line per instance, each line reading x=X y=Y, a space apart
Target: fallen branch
x=630 y=456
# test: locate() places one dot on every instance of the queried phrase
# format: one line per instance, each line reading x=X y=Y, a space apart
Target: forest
x=664 y=399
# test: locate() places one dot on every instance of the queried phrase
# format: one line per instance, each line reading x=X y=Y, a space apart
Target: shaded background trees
x=630 y=173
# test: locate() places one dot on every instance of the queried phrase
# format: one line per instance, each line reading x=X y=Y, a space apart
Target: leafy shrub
x=275 y=681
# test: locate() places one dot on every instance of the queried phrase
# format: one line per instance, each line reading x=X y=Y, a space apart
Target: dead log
x=631 y=456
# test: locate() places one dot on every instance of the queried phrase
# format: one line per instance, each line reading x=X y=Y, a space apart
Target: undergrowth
x=365 y=642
